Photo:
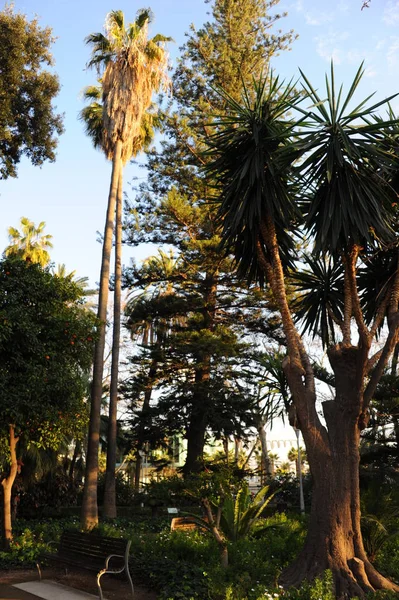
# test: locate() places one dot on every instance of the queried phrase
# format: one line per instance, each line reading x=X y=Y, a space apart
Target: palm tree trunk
x=7 y=484
x=109 y=507
x=89 y=514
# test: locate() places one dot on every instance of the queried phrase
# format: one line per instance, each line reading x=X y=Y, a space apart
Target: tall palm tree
x=29 y=242
x=131 y=67
x=341 y=192
x=92 y=117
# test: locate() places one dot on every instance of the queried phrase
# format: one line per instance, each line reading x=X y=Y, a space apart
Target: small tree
x=30 y=242
x=28 y=123
x=46 y=345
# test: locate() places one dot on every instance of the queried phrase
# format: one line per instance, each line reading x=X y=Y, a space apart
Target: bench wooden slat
x=90 y=551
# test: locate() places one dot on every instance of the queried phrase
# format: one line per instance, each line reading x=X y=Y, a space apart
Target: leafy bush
x=31 y=538
x=286 y=486
x=123 y=490
x=241 y=513
x=184 y=565
x=175 y=579
x=51 y=492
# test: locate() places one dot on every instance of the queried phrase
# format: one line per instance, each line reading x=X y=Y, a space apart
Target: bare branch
x=386 y=352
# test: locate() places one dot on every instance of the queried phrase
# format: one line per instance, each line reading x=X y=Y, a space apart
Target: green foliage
x=43 y=498
x=177 y=579
x=29 y=243
x=344 y=154
x=31 y=538
x=28 y=124
x=240 y=511
x=254 y=138
x=320 y=297
x=123 y=490
x=184 y=565
x=380 y=520
x=46 y=343
x=171 y=491
x=213 y=311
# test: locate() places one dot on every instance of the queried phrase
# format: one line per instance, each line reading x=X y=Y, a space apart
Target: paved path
x=9 y=592
x=39 y=590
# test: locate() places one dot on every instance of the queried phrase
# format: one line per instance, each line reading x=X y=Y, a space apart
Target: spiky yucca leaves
x=375 y=278
x=320 y=302
x=346 y=170
x=251 y=156
x=133 y=68
x=239 y=514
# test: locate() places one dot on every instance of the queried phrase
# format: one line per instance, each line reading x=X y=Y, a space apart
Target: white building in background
x=280 y=440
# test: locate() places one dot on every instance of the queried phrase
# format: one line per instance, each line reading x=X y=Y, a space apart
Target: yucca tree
x=331 y=173
x=131 y=68
x=30 y=242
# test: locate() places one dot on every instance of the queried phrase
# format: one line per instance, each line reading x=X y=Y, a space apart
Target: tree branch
x=379 y=317
x=386 y=352
x=350 y=270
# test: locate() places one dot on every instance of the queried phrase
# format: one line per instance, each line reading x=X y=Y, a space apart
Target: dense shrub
x=123 y=490
x=185 y=565
x=47 y=496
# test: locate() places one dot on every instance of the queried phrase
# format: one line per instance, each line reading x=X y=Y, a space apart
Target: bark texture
x=334 y=539
x=7 y=484
x=89 y=514
x=109 y=506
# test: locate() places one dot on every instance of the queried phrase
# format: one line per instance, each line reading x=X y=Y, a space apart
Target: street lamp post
x=301 y=498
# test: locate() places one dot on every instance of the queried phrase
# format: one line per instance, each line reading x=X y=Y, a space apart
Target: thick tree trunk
x=89 y=514
x=334 y=539
x=109 y=506
x=7 y=484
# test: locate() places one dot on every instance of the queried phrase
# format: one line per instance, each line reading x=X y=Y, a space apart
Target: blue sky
x=71 y=194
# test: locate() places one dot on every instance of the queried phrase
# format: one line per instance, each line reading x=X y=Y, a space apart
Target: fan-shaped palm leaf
x=30 y=242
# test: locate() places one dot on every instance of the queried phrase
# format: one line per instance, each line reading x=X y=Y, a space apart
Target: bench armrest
x=114 y=556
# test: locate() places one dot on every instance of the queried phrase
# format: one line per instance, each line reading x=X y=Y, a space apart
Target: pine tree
x=173 y=206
